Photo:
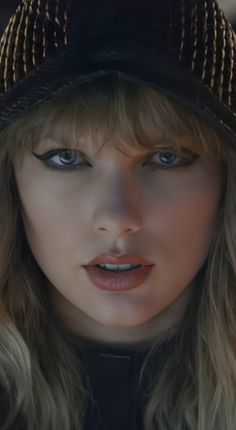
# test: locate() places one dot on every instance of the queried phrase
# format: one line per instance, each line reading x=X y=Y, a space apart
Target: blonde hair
x=41 y=371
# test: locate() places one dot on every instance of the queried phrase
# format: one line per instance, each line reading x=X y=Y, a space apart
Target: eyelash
x=185 y=162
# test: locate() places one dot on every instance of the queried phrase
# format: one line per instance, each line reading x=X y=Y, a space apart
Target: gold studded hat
x=185 y=48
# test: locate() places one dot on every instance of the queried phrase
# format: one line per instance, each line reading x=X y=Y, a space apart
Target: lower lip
x=119 y=281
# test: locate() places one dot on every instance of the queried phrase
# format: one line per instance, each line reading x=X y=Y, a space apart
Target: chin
x=122 y=322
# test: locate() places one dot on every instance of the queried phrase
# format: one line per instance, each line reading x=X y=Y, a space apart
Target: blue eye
x=68 y=156
x=169 y=160
x=167 y=157
x=65 y=159
x=61 y=159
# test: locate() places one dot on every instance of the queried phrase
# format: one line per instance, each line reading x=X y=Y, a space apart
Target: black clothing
x=114 y=387
x=118 y=400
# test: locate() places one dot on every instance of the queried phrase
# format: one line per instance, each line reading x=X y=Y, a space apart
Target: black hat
x=185 y=48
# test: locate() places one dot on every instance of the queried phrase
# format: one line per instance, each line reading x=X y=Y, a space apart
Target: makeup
x=118 y=281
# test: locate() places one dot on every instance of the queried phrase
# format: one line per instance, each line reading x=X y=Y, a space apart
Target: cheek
x=184 y=220
x=51 y=225
x=189 y=228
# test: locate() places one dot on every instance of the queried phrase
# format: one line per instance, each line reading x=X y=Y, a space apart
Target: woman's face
x=138 y=204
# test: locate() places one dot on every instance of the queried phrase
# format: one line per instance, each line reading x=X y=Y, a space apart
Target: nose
x=119 y=209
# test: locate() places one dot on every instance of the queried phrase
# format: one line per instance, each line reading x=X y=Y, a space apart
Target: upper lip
x=122 y=259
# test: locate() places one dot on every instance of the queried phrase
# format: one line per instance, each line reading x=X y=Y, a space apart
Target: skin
x=119 y=203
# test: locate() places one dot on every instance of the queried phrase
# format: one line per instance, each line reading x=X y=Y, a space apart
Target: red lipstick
x=118 y=281
x=122 y=259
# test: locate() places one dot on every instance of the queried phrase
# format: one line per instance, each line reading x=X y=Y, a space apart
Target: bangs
x=110 y=110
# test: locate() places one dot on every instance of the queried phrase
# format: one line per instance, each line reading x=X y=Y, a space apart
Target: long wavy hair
x=42 y=378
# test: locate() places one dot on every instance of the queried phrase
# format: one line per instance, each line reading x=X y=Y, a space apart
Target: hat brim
x=67 y=68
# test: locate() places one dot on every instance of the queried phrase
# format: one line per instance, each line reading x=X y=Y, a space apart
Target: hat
x=185 y=48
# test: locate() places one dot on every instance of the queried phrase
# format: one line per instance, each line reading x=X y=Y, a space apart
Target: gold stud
x=47 y=12
x=223 y=54
x=25 y=40
x=4 y=39
x=194 y=27
x=206 y=46
x=44 y=35
x=213 y=68
x=232 y=42
x=37 y=13
x=57 y=19
x=10 y=40
x=32 y=4
x=4 y=43
x=183 y=31
x=66 y=23
x=17 y=44
x=57 y=22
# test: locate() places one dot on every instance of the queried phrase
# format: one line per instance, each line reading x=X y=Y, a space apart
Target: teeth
x=118 y=267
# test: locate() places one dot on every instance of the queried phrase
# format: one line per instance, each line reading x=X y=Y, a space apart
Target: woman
x=118 y=253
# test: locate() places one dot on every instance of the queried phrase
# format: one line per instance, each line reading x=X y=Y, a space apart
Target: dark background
x=7 y=8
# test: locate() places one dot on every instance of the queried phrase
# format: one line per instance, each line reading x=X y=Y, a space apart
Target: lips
x=122 y=259
x=118 y=281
